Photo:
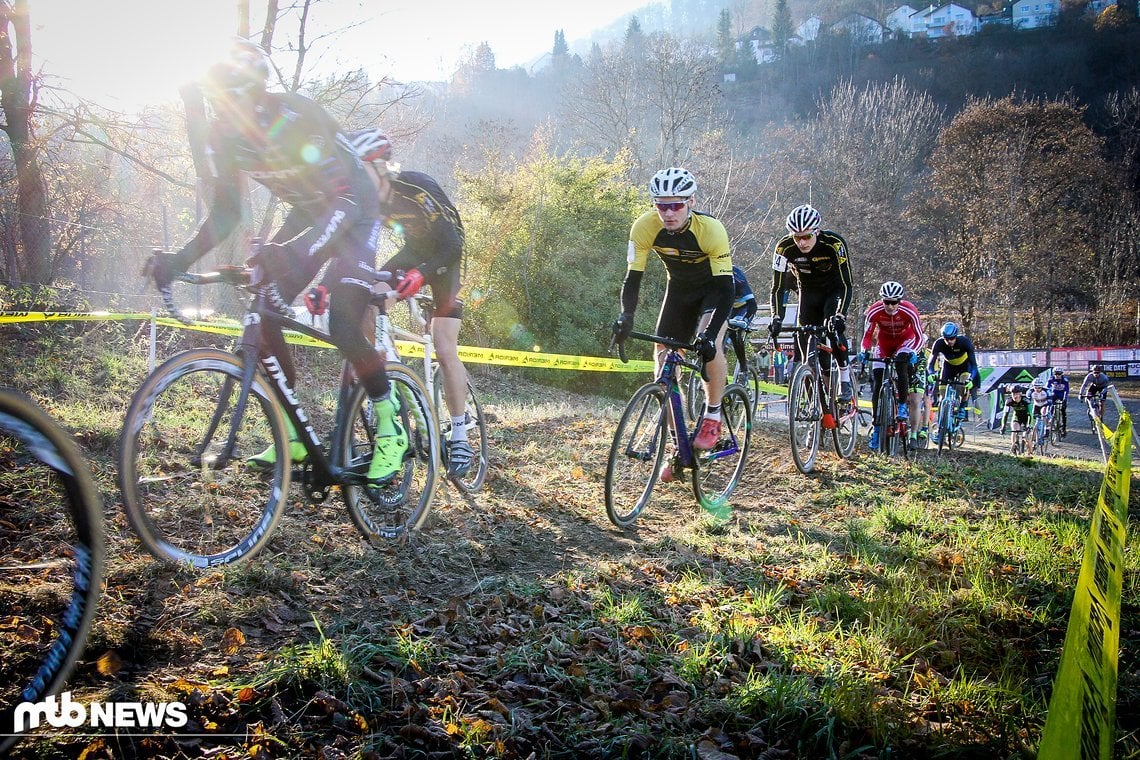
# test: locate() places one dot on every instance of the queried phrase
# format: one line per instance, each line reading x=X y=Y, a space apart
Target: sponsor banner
x=1081 y=723
x=1118 y=370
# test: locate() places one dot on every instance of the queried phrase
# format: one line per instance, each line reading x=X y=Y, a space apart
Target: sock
x=459 y=428
x=712 y=412
x=385 y=418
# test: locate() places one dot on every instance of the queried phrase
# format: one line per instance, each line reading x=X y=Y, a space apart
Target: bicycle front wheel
x=188 y=491
x=476 y=434
x=719 y=469
x=846 y=430
x=885 y=422
x=51 y=556
x=804 y=417
x=636 y=454
x=389 y=510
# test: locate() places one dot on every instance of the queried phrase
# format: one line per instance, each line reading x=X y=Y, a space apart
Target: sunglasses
x=890 y=302
x=670 y=205
x=804 y=236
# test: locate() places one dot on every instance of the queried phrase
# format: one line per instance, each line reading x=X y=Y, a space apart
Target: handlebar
x=661 y=339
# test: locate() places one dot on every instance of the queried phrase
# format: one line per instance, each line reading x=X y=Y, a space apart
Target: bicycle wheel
x=387 y=511
x=476 y=434
x=187 y=499
x=1043 y=440
x=719 y=469
x=885 y=420
x=51 y=556
x=846 y=429
x=636 y=454
x=804 y=417
x=694 y=394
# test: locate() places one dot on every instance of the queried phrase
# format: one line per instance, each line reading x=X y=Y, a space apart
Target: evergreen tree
x=781 y=25
x=726 y=47
x=560 y=46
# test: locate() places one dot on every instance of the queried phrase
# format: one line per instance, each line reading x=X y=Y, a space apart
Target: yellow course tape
x=1082 y=711
x=474 y=354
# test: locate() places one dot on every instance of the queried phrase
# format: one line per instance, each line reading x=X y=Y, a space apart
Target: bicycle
x=744 y=374
x=188 y=491
x=1094 y=409
x=813 y=402
x=1019 y=443
x=649 y=424
x=52 y=550
x=1059 y=416
x=893 y=432
x=421 y=308
x=949 y=432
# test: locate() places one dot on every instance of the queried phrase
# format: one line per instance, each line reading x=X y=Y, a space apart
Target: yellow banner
x=1081 y=723
x=474 y=354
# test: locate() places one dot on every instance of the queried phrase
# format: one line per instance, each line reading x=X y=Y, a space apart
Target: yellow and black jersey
x=824 y=268
x=692 y=256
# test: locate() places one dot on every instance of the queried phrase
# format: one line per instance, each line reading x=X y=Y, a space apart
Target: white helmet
x=802 y=219
x=673 y=182
x=892 y=291
x=245 y=69
x=371 y=145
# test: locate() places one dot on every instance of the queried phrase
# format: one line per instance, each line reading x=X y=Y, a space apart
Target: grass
x=877 y=609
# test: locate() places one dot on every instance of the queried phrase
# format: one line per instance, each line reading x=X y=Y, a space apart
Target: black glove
x=774 y=327
x=623 y=326
x=706 y=349
x=837 y=323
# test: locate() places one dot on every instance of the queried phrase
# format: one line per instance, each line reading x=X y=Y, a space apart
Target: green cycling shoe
x=391 y=444
x=266 y=459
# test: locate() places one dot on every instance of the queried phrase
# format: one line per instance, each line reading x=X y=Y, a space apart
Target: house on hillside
x=949 y=20
x=759 y=42
x=861 y=29
x=989 y=18
x=809 y=29
x=1031 y=14
x=898 y=20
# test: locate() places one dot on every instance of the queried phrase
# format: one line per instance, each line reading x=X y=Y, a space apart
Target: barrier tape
x=474 y=354
x=1081 y=722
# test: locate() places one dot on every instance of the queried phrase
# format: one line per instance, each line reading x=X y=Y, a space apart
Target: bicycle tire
x=694 y=395
x=387 y=512
x=51 y=556
x=476 y=434
x=885 y=420
x=846 y=431
x=804 y=417
x=183 y=509
x=1043 y=441
x=636 y=454
x=718 y=470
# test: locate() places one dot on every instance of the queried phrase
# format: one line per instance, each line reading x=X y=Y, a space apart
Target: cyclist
x=432 y=253
x=958 y=358
x=699 y=291
x=918 y=397
x=1016 y=414
x=1041 y=405
x=293 y=147
x=1058 y=387
x=816 y=263
x=1095 y=384
x=894 y=327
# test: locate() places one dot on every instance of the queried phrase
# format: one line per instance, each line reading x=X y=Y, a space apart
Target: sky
x=130 y=53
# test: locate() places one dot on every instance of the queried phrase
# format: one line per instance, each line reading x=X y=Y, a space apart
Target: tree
x=781 y=25
x=560 y=46
x=28 y=255
x=634 y=37
x=1012 y=182
x=725 y=44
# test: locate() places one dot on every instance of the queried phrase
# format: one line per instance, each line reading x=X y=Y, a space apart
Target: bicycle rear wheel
x=476 y=434
x=636 y=454
x=186 y=499
x=694 y=388
x=804 y=417
x=719 y=469
x=387 y=511
x=1043 y=436
x=846 y=429
x=885 y=421
x=51 y=556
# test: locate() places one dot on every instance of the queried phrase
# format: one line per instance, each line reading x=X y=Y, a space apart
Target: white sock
x=459 y=428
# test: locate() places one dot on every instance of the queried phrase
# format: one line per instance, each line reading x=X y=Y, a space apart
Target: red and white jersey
x=891 y=333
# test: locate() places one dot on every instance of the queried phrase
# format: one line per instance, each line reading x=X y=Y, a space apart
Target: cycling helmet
x=891 y=291
x=802 y=219
x=950 y=330
x=1057 y=371
x=1098 y=368
x=245 y=69
x=673 y=182
x=371 y=145
x=1017 y=389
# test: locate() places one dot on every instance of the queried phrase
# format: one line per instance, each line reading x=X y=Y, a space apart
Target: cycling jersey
x=957 y=359
x=419 y=211
x=1058 y=388
x=698 y=265
x=1040 y=399
x=900 y=332
x=1018 y=408
x=824 y=270
x=1094 y=383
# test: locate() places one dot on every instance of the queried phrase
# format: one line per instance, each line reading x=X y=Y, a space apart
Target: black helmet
x=1017 y=388
x=1098 y=368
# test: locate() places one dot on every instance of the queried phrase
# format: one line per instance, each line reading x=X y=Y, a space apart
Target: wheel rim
x=804 y=419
